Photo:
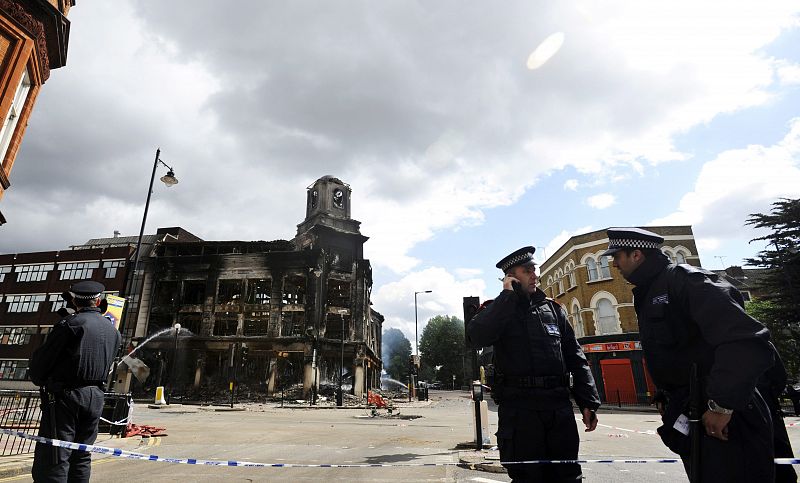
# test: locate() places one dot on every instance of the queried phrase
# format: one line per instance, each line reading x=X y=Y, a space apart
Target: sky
x=465 y=131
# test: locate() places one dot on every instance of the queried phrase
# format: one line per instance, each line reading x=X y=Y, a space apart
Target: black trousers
x=528 y=434
x=77 y=413
x=747 y=456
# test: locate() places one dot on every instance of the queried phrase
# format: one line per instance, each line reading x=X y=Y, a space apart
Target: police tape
x=194 y=461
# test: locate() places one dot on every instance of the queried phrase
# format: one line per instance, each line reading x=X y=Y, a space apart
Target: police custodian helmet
x=621 y=238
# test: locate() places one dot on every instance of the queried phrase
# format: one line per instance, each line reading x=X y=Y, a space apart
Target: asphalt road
x=269 y=434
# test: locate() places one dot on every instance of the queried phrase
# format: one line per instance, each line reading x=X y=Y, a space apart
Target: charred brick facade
x=265 y=314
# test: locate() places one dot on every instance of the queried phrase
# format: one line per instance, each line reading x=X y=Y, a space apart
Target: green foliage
x=779 y=309
x=442 y=345
x=395 y=354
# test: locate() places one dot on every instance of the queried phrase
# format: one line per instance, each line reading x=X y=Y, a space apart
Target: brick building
x=33 y=40
x=599 y=304
x=30 y=293
x=264 y=314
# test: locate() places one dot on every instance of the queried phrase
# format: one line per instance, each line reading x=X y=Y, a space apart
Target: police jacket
x=689 y=315
x=78 y=352
x=534 y=351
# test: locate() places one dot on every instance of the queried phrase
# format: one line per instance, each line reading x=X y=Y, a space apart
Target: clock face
x=338 y=198
x=314 y=198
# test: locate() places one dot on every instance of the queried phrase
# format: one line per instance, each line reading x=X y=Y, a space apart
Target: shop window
x=112 y=267
x=16 y=335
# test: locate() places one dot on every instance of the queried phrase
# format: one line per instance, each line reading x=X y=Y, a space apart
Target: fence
x=19 y=410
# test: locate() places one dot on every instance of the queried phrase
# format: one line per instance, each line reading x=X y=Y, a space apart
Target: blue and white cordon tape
x=193 y=461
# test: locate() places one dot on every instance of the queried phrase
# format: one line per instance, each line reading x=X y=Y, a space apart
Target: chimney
x=116 y=233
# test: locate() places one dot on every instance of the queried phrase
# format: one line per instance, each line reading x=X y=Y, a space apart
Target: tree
x=442 y=349
x=395 y=354
x=779 y=309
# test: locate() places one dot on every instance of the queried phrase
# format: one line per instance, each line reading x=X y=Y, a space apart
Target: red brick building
x=600 y=307
x=33 y=40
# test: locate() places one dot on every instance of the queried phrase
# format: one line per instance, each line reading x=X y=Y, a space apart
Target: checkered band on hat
x=632 y=243
x=522 y=257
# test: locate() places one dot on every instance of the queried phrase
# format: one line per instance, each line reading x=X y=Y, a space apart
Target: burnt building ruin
x=264 y=315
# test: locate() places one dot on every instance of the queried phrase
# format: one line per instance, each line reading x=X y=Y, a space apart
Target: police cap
x=621 y=238
x=519 y=257
x=87 y=289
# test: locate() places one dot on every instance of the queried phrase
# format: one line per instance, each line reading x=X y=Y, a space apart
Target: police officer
x=535 y=351
x=690 y=316
x=71 y=367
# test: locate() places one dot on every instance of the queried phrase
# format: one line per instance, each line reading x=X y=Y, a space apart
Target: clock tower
x=328 y=224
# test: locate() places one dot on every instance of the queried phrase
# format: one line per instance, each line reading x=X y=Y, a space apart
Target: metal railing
x=20 y=411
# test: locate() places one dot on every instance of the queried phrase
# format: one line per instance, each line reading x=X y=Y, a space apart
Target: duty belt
x=537 y=382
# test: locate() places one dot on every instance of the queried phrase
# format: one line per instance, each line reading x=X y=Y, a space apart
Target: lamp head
x=169 y=179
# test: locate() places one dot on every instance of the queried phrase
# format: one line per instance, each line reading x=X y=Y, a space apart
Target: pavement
x=435 y=431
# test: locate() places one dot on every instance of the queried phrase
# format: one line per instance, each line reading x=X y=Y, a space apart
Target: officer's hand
x=507 y=281
x=589 y=419
x=716 y=424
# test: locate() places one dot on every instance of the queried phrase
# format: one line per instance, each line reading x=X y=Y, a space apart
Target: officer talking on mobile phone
x=535 y=352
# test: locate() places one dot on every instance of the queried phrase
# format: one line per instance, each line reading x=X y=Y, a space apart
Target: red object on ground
x=144 y=431
x=376 y=399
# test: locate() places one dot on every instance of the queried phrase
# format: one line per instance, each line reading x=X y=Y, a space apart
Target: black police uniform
x=690 y=316
x=535 y=350
x=72 y=366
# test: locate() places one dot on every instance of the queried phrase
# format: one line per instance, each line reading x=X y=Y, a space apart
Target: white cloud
x=601 y=201
x=396 y=299
x=559 y=240
x=571 y=184
x=737 y=183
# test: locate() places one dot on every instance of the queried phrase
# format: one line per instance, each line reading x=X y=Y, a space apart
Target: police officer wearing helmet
x=71 y=367
x=690 y=316
x=535 y=351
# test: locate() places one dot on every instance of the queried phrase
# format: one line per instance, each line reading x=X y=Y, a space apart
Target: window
x=591 y=267
x=225 y=325
x=680 y=257
x=191 y=322
x=10 y=123
x=604 y=270
x=561 y=285
x=577 y=322
x=606 y=317
x=572 y=278
x=229 y=292
x=3 y=271
x=16 y=335
x=194 y=292
x=14 y=370
x=77 y=270
x=24 y=303
x=33 y=273
x=294 y=290
x=259 y=291
x=56 y=302
x=746 y=295
x=256 y=323
x=112 y=266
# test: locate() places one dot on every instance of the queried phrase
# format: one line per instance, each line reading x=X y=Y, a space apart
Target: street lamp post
x=416 y=335
x=169 y=179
